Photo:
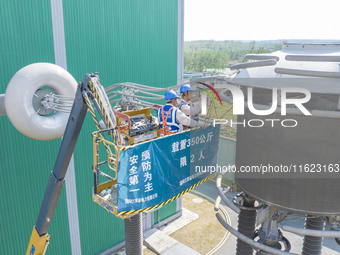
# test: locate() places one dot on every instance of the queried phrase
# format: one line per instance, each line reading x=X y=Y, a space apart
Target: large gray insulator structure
x=289 y=154
x=310 y=149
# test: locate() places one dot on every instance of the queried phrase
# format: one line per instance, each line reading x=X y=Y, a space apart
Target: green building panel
x=227 y=151
x=226 y=157
x=26 y=38
x=123 y=40
x=165 y=212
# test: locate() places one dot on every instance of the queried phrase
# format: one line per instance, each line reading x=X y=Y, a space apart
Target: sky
x=261 y=19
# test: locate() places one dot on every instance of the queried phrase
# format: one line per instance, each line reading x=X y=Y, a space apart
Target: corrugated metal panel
x=26 y=37
x=226 y=155
x=165 y=212
x=226 y=152
x=123 y=40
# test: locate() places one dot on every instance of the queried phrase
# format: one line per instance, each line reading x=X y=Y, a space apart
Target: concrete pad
x=159 y=242
x=149 y=232
x=119 y=252
x=187 y=217
x=180 y=249
x=297 y=242
x=329 y=246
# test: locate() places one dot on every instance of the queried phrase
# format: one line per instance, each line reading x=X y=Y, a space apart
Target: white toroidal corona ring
x=19 y=95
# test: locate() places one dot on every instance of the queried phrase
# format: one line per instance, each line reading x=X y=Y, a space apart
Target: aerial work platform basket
x=141 y=171
x=150 y=174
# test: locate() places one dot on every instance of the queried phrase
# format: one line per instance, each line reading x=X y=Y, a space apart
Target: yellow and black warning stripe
x=87 y=101
x=100 y=104
x=126 y=214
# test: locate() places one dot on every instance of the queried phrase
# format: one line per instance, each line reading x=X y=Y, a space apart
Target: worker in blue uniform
x=188 y=108
x=171 y=119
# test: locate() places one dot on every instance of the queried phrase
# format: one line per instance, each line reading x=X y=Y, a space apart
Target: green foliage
x=202 y=56
x=199 y=61
x=224 y=112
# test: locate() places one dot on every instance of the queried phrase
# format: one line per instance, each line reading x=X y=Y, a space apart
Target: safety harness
x=164 y=129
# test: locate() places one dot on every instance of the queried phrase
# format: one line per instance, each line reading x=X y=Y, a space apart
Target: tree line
x=203 y=56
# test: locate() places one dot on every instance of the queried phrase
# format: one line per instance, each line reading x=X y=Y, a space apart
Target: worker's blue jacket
x=171 y=122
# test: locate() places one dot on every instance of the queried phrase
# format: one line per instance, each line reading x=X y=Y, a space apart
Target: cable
x=226 y=215
x=251 y=242
x=142 y=87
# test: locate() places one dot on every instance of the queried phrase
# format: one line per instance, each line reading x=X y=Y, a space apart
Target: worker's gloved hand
x=195 y=108
x=201 y=124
